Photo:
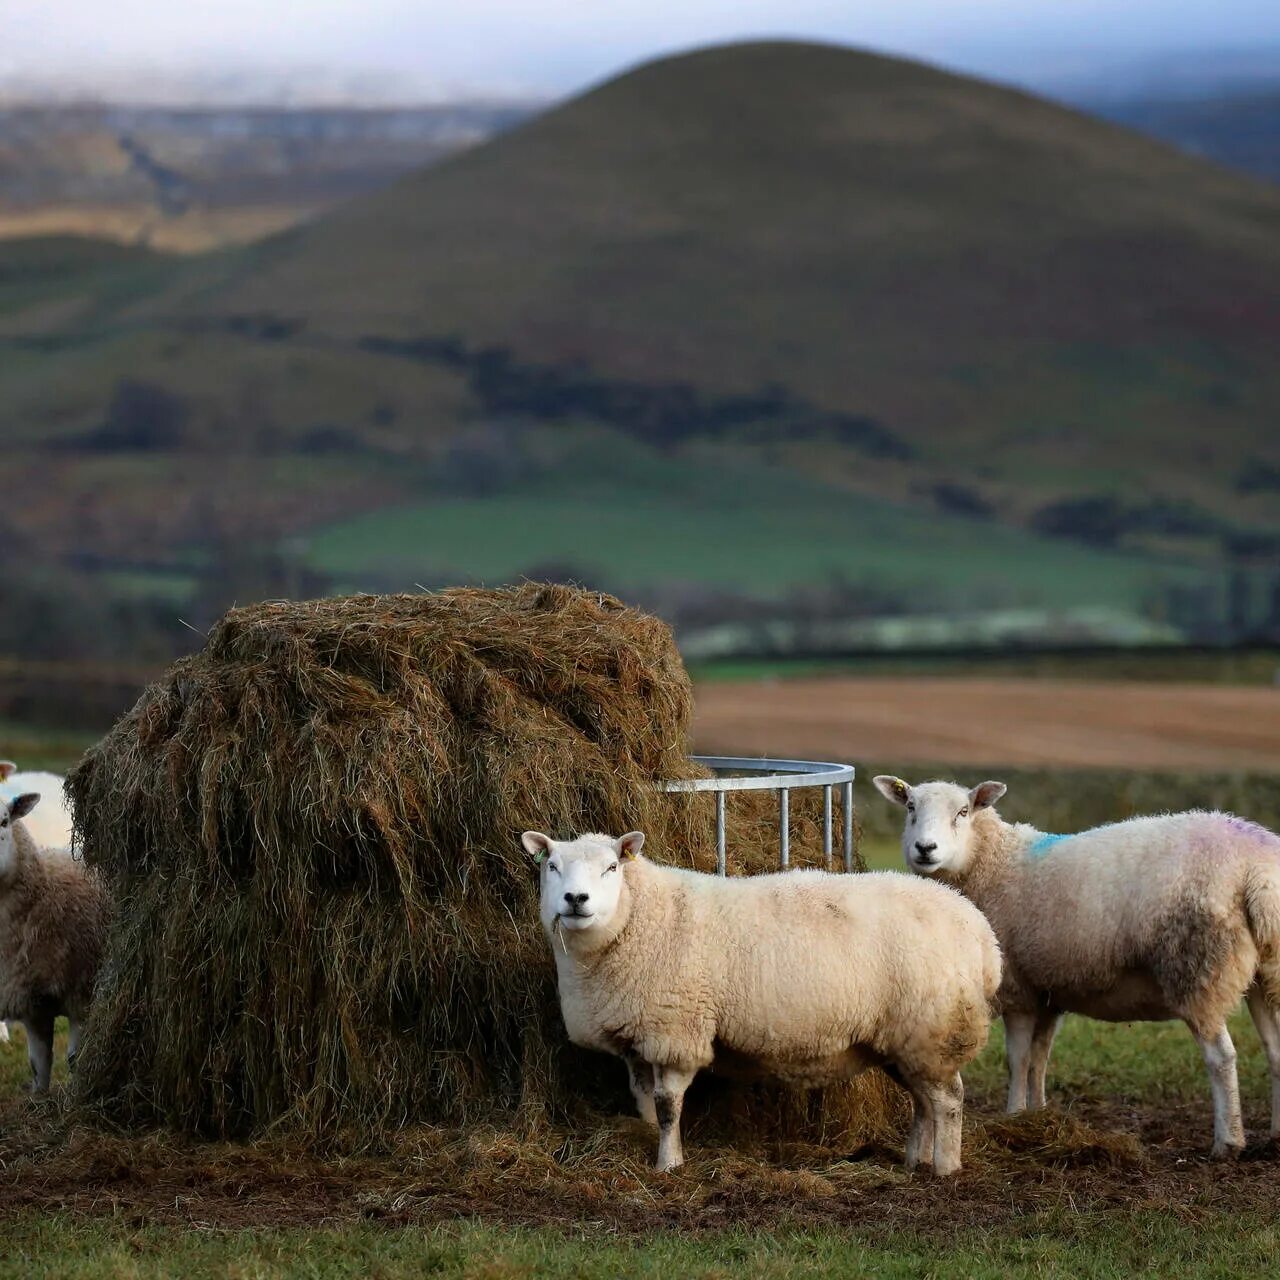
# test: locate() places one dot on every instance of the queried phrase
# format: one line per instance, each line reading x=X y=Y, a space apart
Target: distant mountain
x=1187 y=75
x=192 y=177
x=1237 y=129
x=759 y=316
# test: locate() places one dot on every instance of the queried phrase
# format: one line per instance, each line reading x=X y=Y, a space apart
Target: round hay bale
x=311 y=829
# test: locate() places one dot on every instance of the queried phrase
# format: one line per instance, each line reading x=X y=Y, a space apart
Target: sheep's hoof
x=668 y=1166
x=945 y=1171
x=1225 y=1151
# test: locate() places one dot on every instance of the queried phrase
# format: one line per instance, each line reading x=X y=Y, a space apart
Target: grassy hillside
x=732 y=526
x=950 y=315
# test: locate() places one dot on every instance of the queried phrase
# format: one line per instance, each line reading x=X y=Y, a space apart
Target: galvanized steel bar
x=720 y=834
x=848 y=826
x=826 y=826
x=762 y=774
x=784 y=828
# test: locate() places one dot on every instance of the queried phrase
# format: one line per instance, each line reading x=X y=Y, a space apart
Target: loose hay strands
x=325 y=921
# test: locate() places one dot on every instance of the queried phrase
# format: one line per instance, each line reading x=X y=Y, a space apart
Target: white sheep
x=50 y=828
x=1175 y=916
x=53 y=925
x=803 y=975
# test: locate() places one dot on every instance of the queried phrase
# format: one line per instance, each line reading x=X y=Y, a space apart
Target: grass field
x=732 y=526
x=1143 y=1243
x=1160 y=666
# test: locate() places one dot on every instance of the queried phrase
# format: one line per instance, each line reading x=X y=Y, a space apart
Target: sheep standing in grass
x=53 y=926
x=1176 y=916
x=803 y=975
x=50 y=826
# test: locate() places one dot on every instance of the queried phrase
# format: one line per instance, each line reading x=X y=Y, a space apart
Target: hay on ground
x=325 y=920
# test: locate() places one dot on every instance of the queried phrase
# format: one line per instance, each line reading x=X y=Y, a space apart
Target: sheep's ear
x=20 y=806
x=892 y=788
x=7 y=770
x=630 y=844
x=536 y=845
x=985 y=794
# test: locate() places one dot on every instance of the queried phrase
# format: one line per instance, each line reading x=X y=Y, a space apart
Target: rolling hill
x=862 y=293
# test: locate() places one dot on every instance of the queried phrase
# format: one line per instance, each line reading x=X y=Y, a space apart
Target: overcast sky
x=551 y=46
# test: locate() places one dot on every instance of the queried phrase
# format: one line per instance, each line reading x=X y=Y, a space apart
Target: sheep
x=804 y=975
x=1156 y=918
x=51 y=827
x=53 y=924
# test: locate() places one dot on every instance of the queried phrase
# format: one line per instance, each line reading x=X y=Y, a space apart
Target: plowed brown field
x=1010 y=721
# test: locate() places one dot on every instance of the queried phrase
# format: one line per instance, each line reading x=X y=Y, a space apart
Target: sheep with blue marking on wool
x=1175 y=916
x=805 y=976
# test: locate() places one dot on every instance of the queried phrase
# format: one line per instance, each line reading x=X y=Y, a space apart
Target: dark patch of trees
x=1103 y=520
x=141 y=417
x=664 y=414
x=1257 y=476
x=264 y=326
x=956 y=500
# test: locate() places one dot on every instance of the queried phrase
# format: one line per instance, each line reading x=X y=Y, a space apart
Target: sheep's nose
x=922 y=848
x=576 y=899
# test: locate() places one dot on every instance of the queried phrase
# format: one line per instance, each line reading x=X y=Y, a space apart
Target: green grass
x=34 y=748
x=741 y=528
x=1251 y=666
x=1146 y=1243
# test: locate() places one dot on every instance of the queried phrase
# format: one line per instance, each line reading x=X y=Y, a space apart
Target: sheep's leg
x=1220 y=1057
x=920 y=1135
x=4 y=1033
x=74 y=1030
x=641 y=1075
x=948 y=1119
x=669 y=1085
x=1267 y=1020
x=1046 y=1029
x=39 y=1051
x=1018 y=1031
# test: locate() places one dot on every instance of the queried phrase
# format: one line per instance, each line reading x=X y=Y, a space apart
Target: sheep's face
x=12 y=811
x=581 y=879
x=938 y=825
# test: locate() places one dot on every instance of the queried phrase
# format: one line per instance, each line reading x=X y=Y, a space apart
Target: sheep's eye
x=964 y=813
x=910 y=807
x=611 y=867
x=551 y=866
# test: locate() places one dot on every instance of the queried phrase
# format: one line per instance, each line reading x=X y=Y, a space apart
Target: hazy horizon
x=398 y=50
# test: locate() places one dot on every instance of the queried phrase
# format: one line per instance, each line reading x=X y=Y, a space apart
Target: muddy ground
x=1093 y=1157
